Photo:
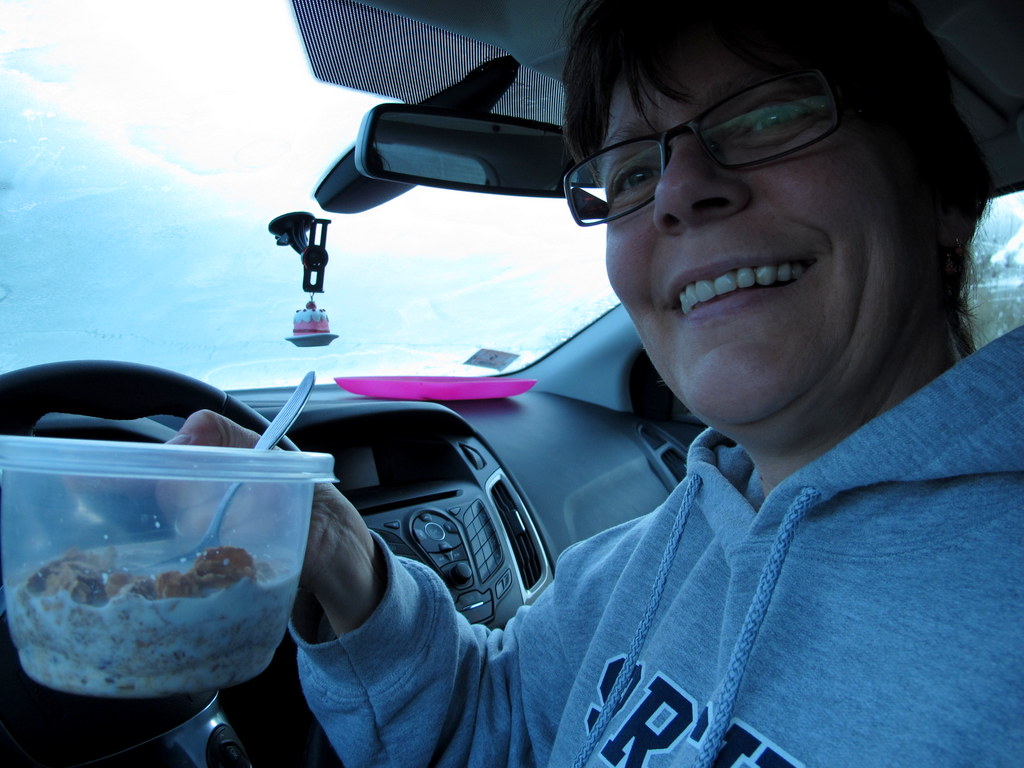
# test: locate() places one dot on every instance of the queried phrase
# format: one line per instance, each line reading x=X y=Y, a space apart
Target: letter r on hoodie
x=663 y=715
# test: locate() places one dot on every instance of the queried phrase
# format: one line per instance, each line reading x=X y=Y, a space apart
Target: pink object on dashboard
x=434 y=387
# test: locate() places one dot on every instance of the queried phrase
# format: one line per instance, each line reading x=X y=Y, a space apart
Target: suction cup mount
x=307 y=235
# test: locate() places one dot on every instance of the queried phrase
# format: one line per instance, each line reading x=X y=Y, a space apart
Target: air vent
x=523 y=547
x=473 y=456
x=654 y=442
x=665 y=457
x=675 y=462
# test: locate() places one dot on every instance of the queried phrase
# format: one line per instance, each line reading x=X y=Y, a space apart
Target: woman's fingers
x=209 y=428
x=343 y=567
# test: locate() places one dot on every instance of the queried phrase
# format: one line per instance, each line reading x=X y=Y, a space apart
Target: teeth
x=746 y=277
x=725 y=284
x=766 y=275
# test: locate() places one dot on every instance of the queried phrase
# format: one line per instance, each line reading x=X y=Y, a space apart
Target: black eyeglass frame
x=693 y=126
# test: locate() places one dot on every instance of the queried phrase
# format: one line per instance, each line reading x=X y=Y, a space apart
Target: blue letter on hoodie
x=663 y=715
x=666 y=713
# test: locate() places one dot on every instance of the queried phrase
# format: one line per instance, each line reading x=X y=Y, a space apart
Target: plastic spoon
x=270 y=437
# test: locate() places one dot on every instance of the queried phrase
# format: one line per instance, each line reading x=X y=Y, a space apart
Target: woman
x=837 y=580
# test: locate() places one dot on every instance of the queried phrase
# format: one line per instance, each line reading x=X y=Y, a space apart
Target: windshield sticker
x=491 y=358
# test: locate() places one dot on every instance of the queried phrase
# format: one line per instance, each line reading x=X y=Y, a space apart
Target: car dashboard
x=434 y=491
x=489 y=492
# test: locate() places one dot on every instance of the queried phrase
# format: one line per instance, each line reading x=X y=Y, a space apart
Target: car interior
x=488 y=491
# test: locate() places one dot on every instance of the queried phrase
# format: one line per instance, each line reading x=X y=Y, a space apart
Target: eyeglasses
x=774 y=118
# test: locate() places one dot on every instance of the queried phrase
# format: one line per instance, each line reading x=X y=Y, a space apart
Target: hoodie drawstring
x=622 y=680
x=724 y=700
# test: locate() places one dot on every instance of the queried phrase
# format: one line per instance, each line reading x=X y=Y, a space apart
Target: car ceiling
x=410 y=50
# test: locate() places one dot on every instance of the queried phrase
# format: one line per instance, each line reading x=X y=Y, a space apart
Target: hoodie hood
x=966 y=422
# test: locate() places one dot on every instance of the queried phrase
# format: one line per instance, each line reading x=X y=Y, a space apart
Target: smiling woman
x=147 y=157
x=864 y=317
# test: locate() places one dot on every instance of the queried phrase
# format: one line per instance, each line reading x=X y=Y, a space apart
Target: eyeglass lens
x=758 y=124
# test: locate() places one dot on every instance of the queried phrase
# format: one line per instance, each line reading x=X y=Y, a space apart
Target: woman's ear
x=955 y=226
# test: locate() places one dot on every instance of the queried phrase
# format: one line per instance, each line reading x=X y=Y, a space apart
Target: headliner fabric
x=359 y=47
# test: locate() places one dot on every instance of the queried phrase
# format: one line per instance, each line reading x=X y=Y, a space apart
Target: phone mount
x=307 y=235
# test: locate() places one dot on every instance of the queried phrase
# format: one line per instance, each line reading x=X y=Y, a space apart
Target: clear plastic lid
x=102 y=458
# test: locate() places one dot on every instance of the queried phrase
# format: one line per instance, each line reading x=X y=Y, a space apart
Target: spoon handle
x=287 y=415
x=270 y=437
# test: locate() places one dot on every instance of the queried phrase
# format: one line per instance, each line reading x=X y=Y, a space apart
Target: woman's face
x=790 y=369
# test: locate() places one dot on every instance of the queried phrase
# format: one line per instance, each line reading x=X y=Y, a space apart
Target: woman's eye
x=628 y=180
x=769 y=121
x=779 y=115
x=629 y=172
x=631 y=182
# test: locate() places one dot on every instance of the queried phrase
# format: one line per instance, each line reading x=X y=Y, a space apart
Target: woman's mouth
x=739 y=279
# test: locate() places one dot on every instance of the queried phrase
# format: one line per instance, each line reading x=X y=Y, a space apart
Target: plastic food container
x=88 y=528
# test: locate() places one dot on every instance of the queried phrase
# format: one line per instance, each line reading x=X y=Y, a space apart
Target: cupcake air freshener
x=310 y=325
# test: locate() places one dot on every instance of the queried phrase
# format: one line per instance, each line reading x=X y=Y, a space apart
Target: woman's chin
x=739 y=391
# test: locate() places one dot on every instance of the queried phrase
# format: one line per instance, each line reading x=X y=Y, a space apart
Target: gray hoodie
x=868 y=612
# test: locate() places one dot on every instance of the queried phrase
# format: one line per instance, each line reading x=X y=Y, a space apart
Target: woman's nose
x=693 y=189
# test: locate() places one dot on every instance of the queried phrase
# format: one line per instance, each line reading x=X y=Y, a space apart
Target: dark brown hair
x=877 y=52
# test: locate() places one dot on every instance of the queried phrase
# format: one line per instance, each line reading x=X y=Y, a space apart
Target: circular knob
x=434 y=531
x=460 y=574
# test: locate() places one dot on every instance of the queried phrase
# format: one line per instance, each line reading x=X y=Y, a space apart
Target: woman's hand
x=343 y=569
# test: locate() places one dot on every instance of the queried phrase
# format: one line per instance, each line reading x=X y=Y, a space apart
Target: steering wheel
x=63 y=729
x=112 y=390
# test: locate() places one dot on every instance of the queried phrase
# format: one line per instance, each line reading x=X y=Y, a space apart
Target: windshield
x=145 y=149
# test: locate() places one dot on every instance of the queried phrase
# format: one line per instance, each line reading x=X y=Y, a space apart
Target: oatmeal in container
x=105 y=593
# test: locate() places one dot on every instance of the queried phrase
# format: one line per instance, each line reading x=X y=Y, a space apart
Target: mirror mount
x=345 y=190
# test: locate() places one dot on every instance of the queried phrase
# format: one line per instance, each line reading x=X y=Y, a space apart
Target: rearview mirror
x=452 y=149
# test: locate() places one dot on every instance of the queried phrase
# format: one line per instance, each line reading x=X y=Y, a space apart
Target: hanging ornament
x=310 y=326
